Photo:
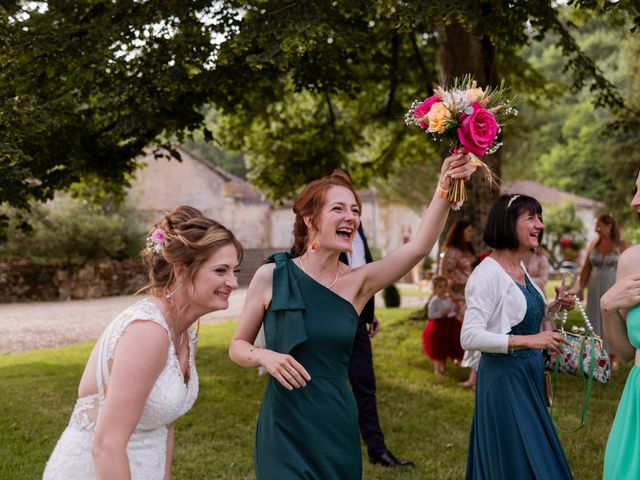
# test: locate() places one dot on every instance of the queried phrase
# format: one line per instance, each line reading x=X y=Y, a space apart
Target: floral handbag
x=584 y=355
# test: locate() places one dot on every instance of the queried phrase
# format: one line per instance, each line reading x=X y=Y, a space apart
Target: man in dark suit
x=361 y=375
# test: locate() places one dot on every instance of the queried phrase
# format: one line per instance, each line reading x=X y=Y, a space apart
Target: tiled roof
x=546 y=194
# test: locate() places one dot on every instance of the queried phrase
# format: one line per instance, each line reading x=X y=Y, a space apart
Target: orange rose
x=437 y=117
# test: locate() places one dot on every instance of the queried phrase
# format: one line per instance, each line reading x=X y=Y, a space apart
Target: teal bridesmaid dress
x=311 y=432
x=621 y=458
x=512 y=435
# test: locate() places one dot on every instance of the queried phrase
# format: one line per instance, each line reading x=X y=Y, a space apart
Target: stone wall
x=23 y=281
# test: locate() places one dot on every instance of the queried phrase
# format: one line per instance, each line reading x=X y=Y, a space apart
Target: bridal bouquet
x=467 y=117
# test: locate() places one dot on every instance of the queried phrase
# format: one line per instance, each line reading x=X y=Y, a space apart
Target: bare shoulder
x=264 y=275
x=629 y=261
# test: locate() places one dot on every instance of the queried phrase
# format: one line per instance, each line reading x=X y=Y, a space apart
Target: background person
x=441 y=334
x=456 y=263
x=141 y=375
x=310 y=306
x=361 y=373
x=598 y=272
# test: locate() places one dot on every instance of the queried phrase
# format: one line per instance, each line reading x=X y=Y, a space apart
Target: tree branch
x=418 y=56
x=393 y=73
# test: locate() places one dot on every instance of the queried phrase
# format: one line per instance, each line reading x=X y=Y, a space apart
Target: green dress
x=311 y=432
x=621 y=459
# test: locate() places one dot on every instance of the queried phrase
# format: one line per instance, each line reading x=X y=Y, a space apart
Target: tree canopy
x=304 y=86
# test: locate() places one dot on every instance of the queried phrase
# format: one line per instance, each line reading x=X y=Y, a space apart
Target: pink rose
x=158 y=236
x=423 y=109
x=478 y=130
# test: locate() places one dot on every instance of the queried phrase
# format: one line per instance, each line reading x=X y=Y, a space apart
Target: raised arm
x=242 y=351
x=624 y=294
x=381 y=273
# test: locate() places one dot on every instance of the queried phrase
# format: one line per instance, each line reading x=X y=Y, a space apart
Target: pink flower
x=157 y=236
x=477 y=130
x=423 y=109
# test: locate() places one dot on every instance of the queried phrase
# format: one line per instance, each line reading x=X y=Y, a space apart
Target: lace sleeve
x=143 y=310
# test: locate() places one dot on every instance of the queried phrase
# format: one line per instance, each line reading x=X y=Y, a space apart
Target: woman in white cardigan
x=512 y=435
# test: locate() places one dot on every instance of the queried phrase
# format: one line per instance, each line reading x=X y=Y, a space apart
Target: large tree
x=305 y=86
x=347 y=74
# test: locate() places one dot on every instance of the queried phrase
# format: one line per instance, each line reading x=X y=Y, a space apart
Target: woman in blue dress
x=512 y=435
x=621 y=320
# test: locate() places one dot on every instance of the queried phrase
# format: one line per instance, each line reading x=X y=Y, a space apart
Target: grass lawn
x=425 y=418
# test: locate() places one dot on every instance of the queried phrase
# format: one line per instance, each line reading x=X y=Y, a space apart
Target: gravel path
x=27 y=326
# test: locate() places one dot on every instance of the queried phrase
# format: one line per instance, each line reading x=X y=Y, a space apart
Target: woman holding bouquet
x=512 y=435
x=308 y=421
x=620 y=307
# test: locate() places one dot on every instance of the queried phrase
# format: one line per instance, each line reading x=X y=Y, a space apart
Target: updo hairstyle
x=189 y=238
x=310 y=202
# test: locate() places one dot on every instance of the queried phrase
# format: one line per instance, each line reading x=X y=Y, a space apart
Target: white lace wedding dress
x=170 y=398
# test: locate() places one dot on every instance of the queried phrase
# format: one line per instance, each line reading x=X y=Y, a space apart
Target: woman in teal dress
x=308 y=421
x=512 y=435
x=620 y=308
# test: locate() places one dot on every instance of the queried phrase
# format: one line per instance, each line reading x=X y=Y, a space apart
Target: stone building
x=261 y=226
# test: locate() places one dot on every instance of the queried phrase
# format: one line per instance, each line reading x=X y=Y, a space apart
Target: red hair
x=309 y=202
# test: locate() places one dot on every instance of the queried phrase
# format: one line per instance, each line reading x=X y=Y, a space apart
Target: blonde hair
x=189 y=238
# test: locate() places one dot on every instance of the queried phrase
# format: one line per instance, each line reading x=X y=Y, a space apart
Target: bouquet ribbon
x=457 y=193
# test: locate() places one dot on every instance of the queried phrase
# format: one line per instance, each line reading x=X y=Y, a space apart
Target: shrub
x=74 y=231
x=427 y=263
x=391 y=296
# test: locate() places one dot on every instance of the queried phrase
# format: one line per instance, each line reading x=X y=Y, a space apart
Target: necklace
x=334 y=280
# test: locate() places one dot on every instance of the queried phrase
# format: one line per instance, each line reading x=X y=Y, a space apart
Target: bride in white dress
x=141 y=375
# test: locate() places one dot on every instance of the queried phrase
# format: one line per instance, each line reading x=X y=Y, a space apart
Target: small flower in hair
x=155 y=241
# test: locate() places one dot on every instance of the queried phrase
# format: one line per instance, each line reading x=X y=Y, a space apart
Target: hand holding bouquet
x=469 y=119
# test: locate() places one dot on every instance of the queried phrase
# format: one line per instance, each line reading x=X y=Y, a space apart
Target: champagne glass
x=567 y=283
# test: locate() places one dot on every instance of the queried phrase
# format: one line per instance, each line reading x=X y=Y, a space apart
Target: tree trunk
x=460 y=53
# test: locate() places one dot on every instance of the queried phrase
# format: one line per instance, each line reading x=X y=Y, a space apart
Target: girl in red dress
x=441 y=335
